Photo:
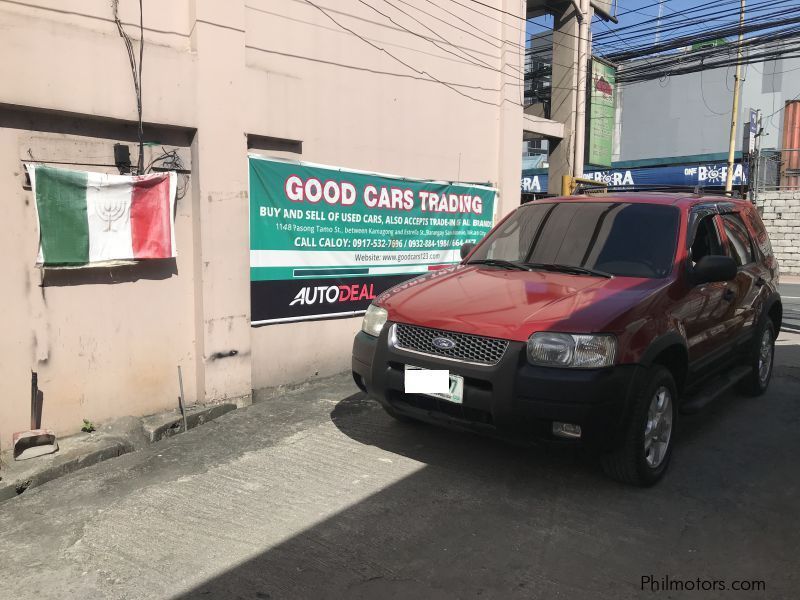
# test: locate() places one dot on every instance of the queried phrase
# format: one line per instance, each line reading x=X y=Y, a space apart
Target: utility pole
x=753 y=173
x=584 y=21
x=735 y=111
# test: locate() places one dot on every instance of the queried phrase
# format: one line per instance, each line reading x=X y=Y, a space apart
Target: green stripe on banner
x=64 y=225
x=333 y=271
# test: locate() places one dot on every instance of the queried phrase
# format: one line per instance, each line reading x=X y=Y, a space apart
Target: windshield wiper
x=569 y=269
x=496 y=262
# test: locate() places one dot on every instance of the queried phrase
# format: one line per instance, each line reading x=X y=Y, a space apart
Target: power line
x=760 y=48
x=405 y=64
x=767 y=9
x=785 y=104
x=677 y=15
x=136 y=71
x=481 y=63
x=703 y=96
x=682 y=41
x=682 y=25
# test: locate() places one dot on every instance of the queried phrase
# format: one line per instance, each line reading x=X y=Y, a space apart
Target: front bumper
x=511 y=397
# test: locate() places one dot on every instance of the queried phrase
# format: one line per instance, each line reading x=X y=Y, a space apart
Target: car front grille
x=468 y=348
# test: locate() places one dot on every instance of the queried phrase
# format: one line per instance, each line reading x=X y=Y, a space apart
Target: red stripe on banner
x=150 y=218
x=437 y=267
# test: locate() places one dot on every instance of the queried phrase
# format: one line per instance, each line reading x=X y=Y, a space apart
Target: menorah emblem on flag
x=111 y=208
x=95 y=218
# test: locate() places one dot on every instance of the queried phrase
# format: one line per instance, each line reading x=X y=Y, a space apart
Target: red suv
x=588 y=318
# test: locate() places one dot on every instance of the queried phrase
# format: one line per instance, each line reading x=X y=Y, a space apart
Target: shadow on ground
x=483 y=518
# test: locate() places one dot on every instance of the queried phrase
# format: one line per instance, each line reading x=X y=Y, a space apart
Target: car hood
x=512 y=305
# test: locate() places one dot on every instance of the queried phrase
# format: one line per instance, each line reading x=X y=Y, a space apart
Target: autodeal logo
x=331 y=294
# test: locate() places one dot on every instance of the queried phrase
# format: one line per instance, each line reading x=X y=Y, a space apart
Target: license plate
x=417 y=378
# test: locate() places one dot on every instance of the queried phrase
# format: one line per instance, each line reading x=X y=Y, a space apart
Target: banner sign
x=704 y=175
x=325 y=241
x=602 y=96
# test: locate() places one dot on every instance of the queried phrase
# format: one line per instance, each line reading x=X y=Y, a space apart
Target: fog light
x=566 y=430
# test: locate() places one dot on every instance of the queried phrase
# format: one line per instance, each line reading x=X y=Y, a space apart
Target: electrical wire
x=759 y=51
x=703 y=97
x=171 y=161
x=469 y=57
x=760 y=17
x=677 y=16
x=424 y=73
x=136 y=71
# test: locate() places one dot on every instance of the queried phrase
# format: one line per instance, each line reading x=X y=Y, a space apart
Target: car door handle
x=728 y=295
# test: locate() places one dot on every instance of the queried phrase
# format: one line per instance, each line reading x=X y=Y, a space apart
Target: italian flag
x=94 y=218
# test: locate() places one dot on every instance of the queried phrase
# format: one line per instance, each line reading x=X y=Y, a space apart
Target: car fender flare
x=661 y=343
x=773 y=298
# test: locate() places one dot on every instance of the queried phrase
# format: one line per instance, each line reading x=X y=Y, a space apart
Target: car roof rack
x=696 y=190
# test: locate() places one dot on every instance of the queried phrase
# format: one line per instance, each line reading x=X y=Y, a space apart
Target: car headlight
x=374 y=320
x=569 y=350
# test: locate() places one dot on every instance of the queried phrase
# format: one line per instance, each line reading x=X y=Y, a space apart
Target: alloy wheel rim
x=765 y=357
x=658 y=427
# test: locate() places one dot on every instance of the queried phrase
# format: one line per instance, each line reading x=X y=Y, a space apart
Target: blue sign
x=704 y=175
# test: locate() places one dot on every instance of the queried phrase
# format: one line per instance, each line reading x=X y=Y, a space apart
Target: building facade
x=690 y=115
x=413 y=93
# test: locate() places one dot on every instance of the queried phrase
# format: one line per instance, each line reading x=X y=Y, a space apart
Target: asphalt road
x=319 y=494
x=790 y=295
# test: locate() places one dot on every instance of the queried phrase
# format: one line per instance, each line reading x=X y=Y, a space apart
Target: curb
x=113 y=448
x=79 y=451
x=158 y=427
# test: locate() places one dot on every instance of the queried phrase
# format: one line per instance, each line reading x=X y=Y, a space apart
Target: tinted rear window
x=624 y=239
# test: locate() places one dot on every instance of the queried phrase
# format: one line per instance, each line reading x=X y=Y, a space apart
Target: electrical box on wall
x=122 y=158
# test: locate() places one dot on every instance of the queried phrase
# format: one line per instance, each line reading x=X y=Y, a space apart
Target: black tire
x=755 y=384
x=630 y=463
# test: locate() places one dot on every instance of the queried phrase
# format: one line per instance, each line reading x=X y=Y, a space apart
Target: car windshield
x=617 y=238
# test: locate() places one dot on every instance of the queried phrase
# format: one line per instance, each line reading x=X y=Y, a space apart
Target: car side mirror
x=466 y=249
x=714 y=268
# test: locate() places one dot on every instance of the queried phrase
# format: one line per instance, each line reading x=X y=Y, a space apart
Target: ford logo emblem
x=443 y=343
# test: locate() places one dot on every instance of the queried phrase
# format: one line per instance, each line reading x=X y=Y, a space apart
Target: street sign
x=750 y=131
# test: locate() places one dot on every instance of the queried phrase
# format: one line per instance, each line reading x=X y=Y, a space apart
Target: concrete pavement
x=319 y=494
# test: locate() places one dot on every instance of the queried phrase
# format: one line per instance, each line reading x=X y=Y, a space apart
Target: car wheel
x=761 y=359
x=644 y=455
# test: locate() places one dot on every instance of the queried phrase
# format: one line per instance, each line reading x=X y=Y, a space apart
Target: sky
x=630 y=12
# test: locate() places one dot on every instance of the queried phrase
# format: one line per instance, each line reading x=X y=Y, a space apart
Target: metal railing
x=776 y=170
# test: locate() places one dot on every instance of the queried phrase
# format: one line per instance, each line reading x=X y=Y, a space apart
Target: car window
x=621 y=238
x=761 y=237
x=513 y=237
x=706 y=240
x=738 y=238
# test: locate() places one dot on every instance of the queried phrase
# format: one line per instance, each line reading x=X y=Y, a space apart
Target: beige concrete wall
x=105 y=342
x=221 y=71
x=355 y=106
